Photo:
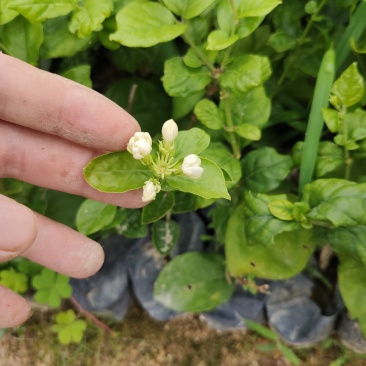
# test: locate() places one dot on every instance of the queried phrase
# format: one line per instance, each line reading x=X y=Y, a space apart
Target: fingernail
x=18 y=227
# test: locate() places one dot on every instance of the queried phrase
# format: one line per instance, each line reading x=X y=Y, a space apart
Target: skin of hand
x=50 y=127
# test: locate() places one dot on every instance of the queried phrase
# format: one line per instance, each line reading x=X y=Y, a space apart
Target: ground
x=141 y=341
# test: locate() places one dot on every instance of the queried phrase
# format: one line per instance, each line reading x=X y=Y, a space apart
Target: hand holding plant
x=46 y=142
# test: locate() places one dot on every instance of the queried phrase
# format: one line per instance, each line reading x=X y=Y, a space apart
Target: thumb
x=18 y=228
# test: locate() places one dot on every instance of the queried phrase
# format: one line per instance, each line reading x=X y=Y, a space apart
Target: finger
x=49 y=103
x=18 y=228
x=64 y=250
x=49 y=161
x=14 y=309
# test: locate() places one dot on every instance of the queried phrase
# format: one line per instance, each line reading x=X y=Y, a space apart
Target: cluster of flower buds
x=164 y=164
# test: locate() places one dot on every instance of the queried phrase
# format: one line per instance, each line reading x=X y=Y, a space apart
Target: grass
x=141 y=341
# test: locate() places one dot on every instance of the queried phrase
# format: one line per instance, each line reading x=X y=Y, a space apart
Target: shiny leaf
x=193 y=282
x=145 y=24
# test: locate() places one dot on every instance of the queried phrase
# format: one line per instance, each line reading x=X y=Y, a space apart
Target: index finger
x=49 y=103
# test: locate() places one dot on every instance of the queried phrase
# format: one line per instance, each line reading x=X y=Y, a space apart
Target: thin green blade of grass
x=314 y=129
x=354 y=30
x=261 y=330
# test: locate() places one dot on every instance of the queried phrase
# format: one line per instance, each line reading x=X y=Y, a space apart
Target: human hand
x=50 y=127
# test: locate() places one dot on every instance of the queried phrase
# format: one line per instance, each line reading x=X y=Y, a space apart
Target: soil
x=141 y=341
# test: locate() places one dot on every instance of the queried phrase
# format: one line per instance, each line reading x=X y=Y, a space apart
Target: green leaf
x=68 y=328
x=51 y=288
x=93 y=216
x=248 y=25
x=349 y=242
x=90 y=16
x=193 y=282
x=354 y=123
x=223 y=157
x=225 y=16
x=185 y=202
x=145 y=24
x=188 y=9
x=192 y=141
x=344 y=203
x=331 y=118
x=59 y=42
x=131 y=226
x=191 y=59
x=281 y=41
x=22 y=39
x=261 y=225
x=109 y=26
x=62 y=207
x=211 y=184
x=37 y=11
x=208 y=113
x=197 y=29
x=266 y=261
x=29 y=268
x=219 y=40
x=348 y=89
x=246 y=73
x=261 y=330
x=116 y=172
x=253 y=107
x=180 y=80
x=227 y=19
x=10 y=186
x=248 y=131
x=150 y=103
x=80 y=74
x=330 y=159
x=256 y=8
x=165 y=235
x=351 y=274
x=184 y=105
x=264 y=169
x=10 y=278
x=158 y=208
x=281 y=209
x=6 y=14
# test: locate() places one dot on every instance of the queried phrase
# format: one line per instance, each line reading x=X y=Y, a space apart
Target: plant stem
x=347 y=157
x=299 y=43
x=230 y=130
x=90 y=316
x=199 y=53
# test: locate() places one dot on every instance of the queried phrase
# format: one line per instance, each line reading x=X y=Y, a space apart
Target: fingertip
x=18 y=226
x=14 y=309
x=131 y=199
x=92 y=255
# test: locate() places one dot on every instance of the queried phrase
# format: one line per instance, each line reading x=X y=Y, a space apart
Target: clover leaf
x=68 y=328
x=14 y=280
x=51 y=288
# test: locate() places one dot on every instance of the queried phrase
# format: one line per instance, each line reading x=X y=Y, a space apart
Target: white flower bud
x=150 y=191
x=169 y=131
x=140 y=145
x=192 y=166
